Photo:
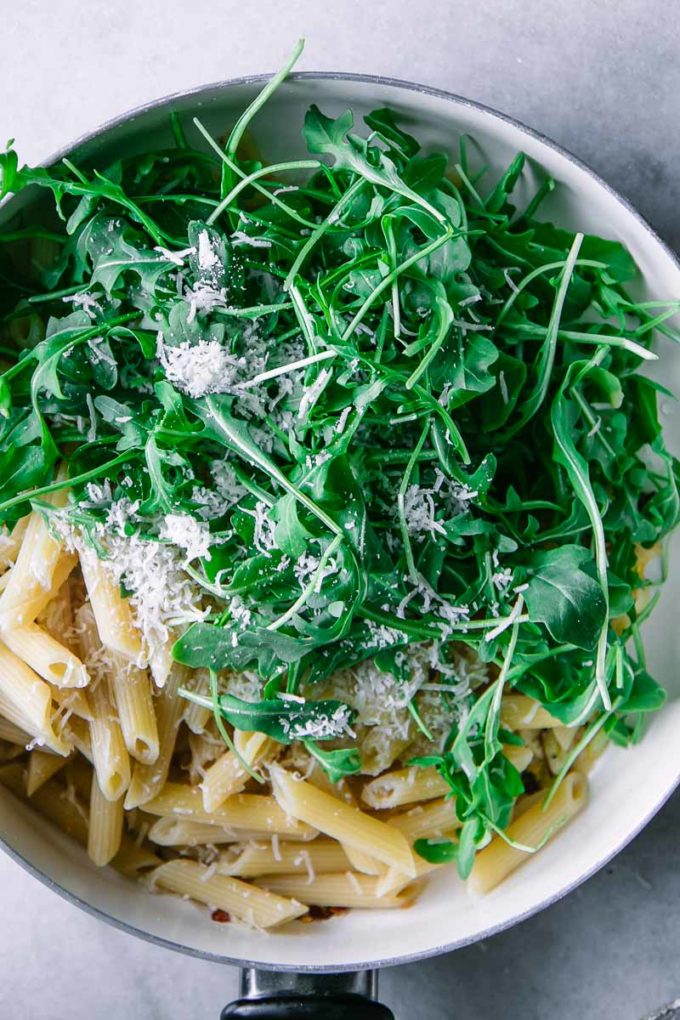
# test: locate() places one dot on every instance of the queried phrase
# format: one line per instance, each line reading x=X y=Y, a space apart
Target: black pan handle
x=272 y=995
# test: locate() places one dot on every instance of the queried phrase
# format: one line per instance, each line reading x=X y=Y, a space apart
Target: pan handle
x=275 y=995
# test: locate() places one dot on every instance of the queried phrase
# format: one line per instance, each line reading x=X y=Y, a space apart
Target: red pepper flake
x=221 y=916
x=316 y=913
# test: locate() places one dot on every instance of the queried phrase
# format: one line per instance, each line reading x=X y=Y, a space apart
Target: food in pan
x=334 y=501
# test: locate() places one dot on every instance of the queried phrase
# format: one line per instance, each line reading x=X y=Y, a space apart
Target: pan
x=330 y=969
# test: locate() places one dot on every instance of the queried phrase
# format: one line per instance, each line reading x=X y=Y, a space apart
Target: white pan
x=628 y=786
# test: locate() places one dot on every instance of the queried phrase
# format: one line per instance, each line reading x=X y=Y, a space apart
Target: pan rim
x=459 y=943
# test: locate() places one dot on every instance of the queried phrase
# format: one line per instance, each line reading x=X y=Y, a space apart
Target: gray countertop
x=602 y=78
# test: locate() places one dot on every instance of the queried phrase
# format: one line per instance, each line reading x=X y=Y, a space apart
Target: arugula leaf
x=284 y=721
x=337 y=764
x=563 y=596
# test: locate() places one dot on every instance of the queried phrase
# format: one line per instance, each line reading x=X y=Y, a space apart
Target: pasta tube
x=106 y=826
x=112 y=612
x=26 y=701
x=342 y=821
x=149 y=779
x=256 y=907
x=41 y=768
x=50 y=659
x=131 y=689
x=349 y=889
x=227 y=775
x=498 y=860
x=242 y=811
x=319 y=857
x=41 y=567
x=404 y=786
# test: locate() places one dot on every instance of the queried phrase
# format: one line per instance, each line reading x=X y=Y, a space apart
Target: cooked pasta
x=112 y=613
x=105 y=828
x=499 y=858
x=132 y=693
x=348 y=889
x=347 y=824
x=43 y=653
x=148 y=779
x=257 y=907
x=42 y=565
x=41 y=767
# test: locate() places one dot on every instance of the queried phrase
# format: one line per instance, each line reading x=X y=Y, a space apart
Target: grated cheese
x=188 y=534
x=240 y=237
x=199 y=369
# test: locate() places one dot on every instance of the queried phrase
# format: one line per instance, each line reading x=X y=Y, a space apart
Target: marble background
x=603 y=78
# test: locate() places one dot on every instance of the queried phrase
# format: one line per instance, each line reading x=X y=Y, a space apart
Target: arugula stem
x=265 y=171
x=269 y=89
x=80 y=479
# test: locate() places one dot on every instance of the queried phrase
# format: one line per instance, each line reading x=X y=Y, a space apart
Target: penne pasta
x=519 y=756
x=41 y=768
x=318 y=857
x=171 y=830
x=133 y=860
x=253 y=811
x=26 y=701
x=379 y=749
x=43 y=653
x=41 y=567
x=555 y=755
x=404 y=786
x=256 y=907
x=519 y=712
x=148 y=779
x=591 y=753
x=71 y=701
x=359 y=859
x=393 y=881
x=109 y=753
x=106 y=825
x=63 y=808
x=349 y=825
x=131 y=689
x=161 y=662
x=112 y=612
x=565 y=736
x=227 y=775
x=13 y=734
x=77 y=730
x=196 y=716
x=427 y=820
x=10 y=542
x=348 y=889
x=57 y=616
x=498 y=860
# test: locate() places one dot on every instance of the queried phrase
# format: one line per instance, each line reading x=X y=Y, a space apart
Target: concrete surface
x=603 y=78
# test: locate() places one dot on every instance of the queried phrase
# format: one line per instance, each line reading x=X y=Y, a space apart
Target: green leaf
x=385 y=124
x=563 y=596
x=337 y=764
x=439 y=851
x=282 y=720
x=646 y=694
